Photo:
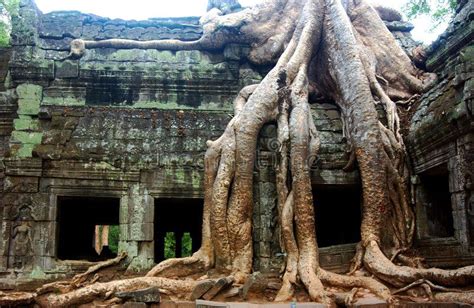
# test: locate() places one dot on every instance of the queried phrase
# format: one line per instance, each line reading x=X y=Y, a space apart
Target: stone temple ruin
x=117 y=138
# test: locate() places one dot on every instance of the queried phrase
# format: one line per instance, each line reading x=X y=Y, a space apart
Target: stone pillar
x=137 y=228
x=265 y=224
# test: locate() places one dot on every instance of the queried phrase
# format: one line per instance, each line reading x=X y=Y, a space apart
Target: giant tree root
x=80 y=280
x=339 y=50
x=105 y=290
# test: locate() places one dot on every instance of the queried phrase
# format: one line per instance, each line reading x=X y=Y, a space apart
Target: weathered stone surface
x=185 y=304
x=399 y=26
x=201 y=288
x=220 y=285
x=66 y=69
x=133 y=124
x=148 y=295
x=249 y=283
x=21 y=184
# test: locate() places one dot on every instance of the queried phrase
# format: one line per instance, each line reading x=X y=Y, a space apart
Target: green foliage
x=4 y=35
x=170 y=245
x=8 y=9
x=437 y=10
x=114 y=235
x=187 y=244
x=11 y=6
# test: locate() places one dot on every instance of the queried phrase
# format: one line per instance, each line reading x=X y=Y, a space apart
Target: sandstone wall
x=130 y=124
x=441 y=138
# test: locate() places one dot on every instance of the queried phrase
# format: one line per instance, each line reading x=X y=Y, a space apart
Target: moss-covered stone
x=131 y=248
x=29 y=92
x=38 y=273
x=25 y=150
x=25 y=123
x=28 y=107
x=62 y=101
x=140 y=264
x=27 y=137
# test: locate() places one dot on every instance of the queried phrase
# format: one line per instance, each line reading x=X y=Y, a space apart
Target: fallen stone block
x=148 y=295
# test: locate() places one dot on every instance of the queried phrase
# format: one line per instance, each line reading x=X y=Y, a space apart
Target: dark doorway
x=178 y=224
x=437 y=202
x=79 y=221
x=338 y=214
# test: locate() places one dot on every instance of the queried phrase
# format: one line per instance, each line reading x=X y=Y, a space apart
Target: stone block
x=27 y=137
x=56 y=137
x=130 y=247
x=253 y=282
x=210 y=304
x=148 y=295
x=25 y=123
x=44 y=239
x=66 y=69
x=21 y=184
x=331 y=259
x=167 y=304
x=123 y=215
x=5 y=237
x=124 y=235
x=220 y=285
x=201 y=288
x=140 y=264
x=141 y=232
x=22 y=150
x=29 y=92
x=235 y=52
x=55 y=46
x=3 y=263
x=62 y=24
x=28 y=107
x=45 y=151
x=147 y=249
x=266 y=234
x=185 y=304
x=265 y=249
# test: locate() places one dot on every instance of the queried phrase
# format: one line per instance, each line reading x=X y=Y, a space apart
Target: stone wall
x=441 y=137
x=129 y=124
x=132 y=125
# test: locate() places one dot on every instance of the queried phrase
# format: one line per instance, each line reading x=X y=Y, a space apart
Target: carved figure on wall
x=339 y=50
x=21 y=238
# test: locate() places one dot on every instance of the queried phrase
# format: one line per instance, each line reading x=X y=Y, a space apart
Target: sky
x=143 y=9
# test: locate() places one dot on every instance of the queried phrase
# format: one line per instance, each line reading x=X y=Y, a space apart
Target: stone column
x=137 y=228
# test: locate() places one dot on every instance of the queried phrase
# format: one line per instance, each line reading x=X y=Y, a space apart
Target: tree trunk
x=343 y=51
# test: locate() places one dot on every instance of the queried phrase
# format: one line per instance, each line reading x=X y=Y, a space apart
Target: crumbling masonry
x=118 y=138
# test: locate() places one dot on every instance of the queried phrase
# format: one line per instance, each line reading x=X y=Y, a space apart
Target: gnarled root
x=377 y=263
x=105 y=290
x=82 y=279
x=180 y=267
x=357 y=64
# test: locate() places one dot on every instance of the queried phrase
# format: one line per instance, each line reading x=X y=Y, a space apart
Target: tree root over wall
x=340 y=50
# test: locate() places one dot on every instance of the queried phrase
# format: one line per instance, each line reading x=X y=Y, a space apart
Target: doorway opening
x=338 y=214
x=88 y=228
x=178 y=224
x=436 y=201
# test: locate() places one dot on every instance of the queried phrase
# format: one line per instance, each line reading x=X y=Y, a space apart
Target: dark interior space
x=178 y=222
x=437 y=203
x=77 y=221
x=338 y=214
